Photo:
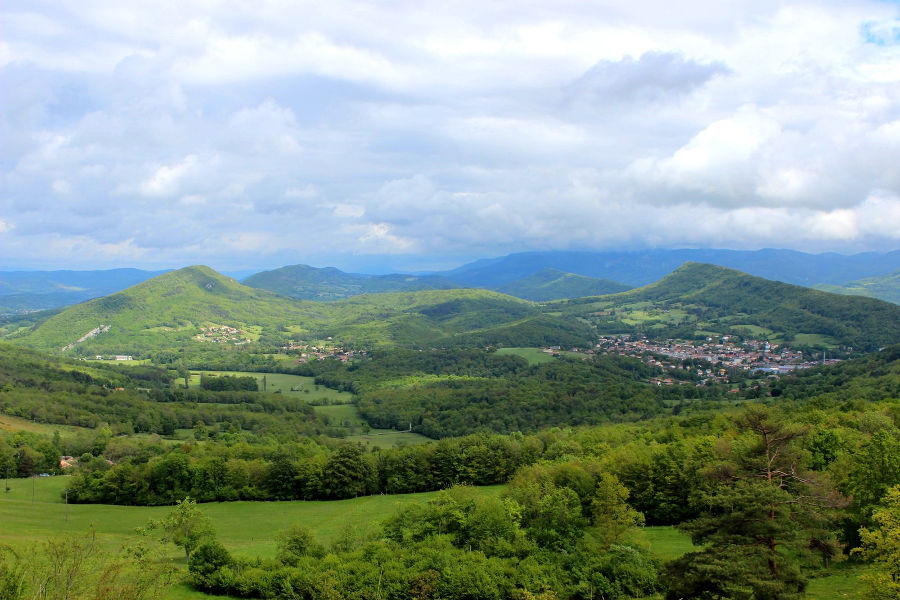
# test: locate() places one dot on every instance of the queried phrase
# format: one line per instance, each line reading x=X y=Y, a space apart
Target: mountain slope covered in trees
x=174 y=309
x=697 y=299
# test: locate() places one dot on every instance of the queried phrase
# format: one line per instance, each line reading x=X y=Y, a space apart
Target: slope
x=885 y=287
x=553 y=284
x=699 y=298
x=196 y=306
x=311 y=283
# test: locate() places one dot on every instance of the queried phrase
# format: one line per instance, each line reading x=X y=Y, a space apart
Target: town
x=715 y=359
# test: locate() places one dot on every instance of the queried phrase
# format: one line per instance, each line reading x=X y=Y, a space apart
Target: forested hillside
x=196 y=306
x=699 y=298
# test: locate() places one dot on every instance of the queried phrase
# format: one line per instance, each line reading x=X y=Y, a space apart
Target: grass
x=248 y=528
x=347 y=415
x=8 y=423
x=664 y=542
x=841 y=583
x=534 y=356
x=814 y=339
x=290 y=385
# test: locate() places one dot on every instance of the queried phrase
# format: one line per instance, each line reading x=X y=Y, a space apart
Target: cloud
x=288 y=131
x=653 y=76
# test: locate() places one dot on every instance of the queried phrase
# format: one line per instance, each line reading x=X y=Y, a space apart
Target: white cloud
x=167 y=179
x=365 y=128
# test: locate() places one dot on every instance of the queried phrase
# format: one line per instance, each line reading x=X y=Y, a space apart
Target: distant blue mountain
x=640 y=268
x=38 y=290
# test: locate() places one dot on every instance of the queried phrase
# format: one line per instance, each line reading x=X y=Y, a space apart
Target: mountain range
x=196 y=307
x=538 y=276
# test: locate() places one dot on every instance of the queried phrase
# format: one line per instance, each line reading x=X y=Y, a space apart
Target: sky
x=403 y=135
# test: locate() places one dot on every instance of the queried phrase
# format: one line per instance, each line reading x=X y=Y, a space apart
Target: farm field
x=534 y=356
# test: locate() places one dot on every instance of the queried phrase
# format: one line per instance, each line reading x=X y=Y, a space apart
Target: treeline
x=228 y=383
x=300 y=471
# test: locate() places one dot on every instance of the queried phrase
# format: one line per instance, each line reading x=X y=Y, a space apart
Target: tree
x=761 y=513
x=295 y=542
x=882 y=545
x=610 y=512
x=185 y=526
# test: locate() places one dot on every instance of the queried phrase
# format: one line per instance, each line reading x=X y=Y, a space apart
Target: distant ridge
x=886 y=287
x=40 y=290
x=328 y=283
x=639 y=268
x=552 y=284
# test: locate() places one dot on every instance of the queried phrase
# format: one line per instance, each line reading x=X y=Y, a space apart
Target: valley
x=418 y=429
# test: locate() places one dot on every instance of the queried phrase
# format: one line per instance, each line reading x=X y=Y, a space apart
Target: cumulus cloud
x=275 y=132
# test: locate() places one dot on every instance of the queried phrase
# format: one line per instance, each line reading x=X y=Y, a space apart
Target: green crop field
x=534 y=356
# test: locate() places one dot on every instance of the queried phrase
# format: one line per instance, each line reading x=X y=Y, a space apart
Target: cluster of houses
x=725 y=353
x=307 y=351
x=222 y=334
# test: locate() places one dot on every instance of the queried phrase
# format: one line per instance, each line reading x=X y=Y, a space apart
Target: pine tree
x=762 y=512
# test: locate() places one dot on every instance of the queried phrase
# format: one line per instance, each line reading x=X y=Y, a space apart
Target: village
x=222 y=334
x=307 y=351
x=715 y=359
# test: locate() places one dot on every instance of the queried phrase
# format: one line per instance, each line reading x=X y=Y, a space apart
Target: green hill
x=886 y=287
x=311 y=283
x=197 y=306
x=699 y=298
x=553 y=284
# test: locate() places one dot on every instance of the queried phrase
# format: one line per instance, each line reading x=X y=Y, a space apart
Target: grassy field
x=289 y=385
x=248 y=528
x=347 y=415
x=534 y=356
x=8 y=423
x=840 y=582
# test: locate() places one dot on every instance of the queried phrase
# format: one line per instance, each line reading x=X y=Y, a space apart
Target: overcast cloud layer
x=251 y=134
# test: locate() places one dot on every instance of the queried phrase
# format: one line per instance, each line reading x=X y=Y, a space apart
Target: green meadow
x=289 y=385
x=34 y=510
x=534 y=356
x=347 y=415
